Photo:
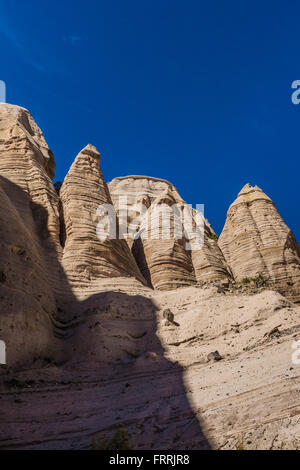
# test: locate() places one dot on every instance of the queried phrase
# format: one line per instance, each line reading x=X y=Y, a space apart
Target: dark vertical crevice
x=62 y=225
x=140 y=258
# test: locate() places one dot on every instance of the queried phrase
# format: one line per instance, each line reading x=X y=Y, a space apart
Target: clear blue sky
x=195 y=92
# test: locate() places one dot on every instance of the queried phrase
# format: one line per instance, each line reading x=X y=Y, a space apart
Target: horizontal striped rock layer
x=255 y=240
x=86 y=258
x=29 y=239
x=165 y=263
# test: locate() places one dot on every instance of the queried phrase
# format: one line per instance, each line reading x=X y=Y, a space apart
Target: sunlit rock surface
x=89 y=348
x=255 y=240
x=166 y=263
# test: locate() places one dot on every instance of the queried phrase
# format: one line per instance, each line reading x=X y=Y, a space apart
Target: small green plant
x=213 y=236
x=240 y=444
x=101 y=444
x=258 y=281
x=119 y=441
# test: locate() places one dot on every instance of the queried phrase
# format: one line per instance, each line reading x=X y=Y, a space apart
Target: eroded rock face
x=20 y=134
x=30 y=248
x=209 y=262
x=255 y=240
x=86 y=257
x=27 y=301
x=131 y=354
x=165 y=262
x=27 y=164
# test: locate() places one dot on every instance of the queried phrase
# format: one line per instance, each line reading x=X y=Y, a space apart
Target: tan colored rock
x=28 y=164
x=255 y=240
x=86 y=258
x=209 y=262
x=27 y=302
x=29 y=215
x=124 y=363
x=165 y=263
x=20 y=134
x=155 y=378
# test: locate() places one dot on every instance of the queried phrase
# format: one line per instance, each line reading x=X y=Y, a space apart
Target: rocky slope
x=154 y=378
x=255 y=240
x=90 y=346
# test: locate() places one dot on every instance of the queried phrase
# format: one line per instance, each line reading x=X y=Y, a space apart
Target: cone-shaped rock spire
x=255 y=240
x=86 y=258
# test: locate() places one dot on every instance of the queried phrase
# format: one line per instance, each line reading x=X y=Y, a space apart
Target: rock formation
x=27 y=303
x=208 y=261
x=27 y=163
x=86 y=257
x=30 y=247
x=165 y=261
x=255 y=240
x=250 y=396
x=201 y=361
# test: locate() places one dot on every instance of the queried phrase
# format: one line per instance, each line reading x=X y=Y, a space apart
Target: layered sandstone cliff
x=30 y=248
x=27 y=163
x=27 y=302
x=90 y=253
x=88 y=344
x=169 y=252
x=255 y=240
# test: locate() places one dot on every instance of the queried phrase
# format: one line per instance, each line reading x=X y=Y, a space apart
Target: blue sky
x=195 y=92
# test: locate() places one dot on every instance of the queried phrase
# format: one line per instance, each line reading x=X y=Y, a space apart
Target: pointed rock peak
x=88 y=257
x=249 y=189
x=250 y=193
x=88 y=160
x=92 y=151
x=245 y=189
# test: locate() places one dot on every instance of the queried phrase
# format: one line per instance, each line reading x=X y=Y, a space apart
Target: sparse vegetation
x=120 y=441
x=213 y=236
x=258 y=281
x=240 y=444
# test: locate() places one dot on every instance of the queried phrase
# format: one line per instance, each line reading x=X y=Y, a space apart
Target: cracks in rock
x=62 y=226
x=140 y=258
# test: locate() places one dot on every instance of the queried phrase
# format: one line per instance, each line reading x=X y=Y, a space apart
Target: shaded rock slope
x=156 y=381
x=30 y=249
x=89 y=347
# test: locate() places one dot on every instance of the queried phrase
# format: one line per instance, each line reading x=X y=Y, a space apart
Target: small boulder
x=168 y=315
x=214 y=356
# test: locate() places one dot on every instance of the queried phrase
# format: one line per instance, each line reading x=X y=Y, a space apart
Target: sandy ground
x=130 y=366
